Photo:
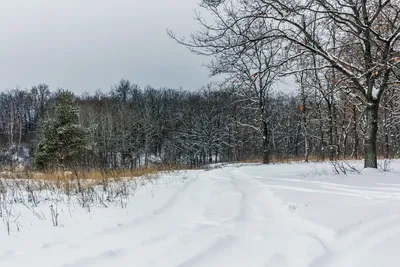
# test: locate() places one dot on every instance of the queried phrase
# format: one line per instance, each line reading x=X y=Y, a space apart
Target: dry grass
x=93 y=175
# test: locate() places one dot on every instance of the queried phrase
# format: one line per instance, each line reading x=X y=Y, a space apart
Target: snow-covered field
x=279 y=215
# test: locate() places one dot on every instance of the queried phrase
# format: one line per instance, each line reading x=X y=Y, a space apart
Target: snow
x=375 y=92
x=228 y=215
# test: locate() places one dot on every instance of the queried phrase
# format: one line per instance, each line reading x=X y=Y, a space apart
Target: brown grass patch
x=93 y=175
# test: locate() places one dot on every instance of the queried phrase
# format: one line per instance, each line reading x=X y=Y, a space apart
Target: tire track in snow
x=175 y=198
x=100 y=258
x=366 y=192
x=357 y=240
x=263 y=196
x=368 y=222
x=216 y=222
x=203 y=258
x=293 y=180
x=168 y=205
x=229 y=227
x=319 y=191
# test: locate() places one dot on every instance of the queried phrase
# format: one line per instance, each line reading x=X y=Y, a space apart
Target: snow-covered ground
x=279 y=215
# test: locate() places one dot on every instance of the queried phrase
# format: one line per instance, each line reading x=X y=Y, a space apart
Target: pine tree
x=64 y=140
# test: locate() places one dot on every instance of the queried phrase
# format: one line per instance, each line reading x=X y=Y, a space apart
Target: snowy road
x=247 y=216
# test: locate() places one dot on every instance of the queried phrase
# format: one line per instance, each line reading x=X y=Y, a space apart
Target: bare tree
x=252 y=75
x=364 y=52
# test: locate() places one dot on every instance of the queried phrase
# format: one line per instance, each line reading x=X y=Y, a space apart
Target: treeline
x=130 y=127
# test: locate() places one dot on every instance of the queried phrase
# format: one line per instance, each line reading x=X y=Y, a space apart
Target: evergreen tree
x=64 y=140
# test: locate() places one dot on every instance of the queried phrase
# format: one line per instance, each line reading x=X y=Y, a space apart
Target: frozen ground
x=281 y=215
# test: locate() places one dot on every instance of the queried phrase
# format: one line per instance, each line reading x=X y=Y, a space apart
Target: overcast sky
x=83 y=45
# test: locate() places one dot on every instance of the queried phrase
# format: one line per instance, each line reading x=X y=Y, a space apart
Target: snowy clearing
x=279 y=215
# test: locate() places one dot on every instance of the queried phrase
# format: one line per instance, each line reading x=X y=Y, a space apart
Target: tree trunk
x=296 y=144
x=387 y=146
x=306 y=145
x=331 y=152
x=355 y=148
x=321 y=131
x=387 y=154
x=371 y=129
x=265 y=143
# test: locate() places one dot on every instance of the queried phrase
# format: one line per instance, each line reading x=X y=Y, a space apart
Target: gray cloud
x=88 y=44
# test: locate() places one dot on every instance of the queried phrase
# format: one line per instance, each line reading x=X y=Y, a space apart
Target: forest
x=131 y=127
